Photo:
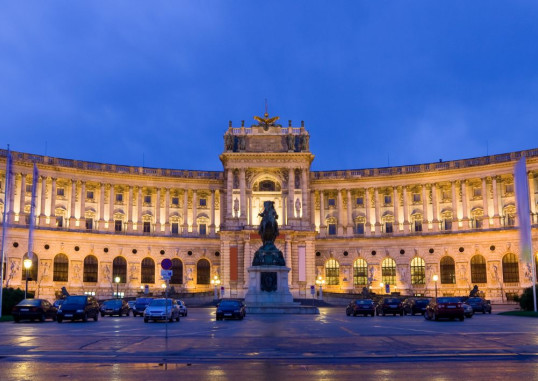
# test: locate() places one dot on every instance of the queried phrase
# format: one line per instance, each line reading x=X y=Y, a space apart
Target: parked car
x=115 y=307
x=445 y=307
x=479 y=305
x=131 y=304
x=414 y=306
x=231 y=309
x=78 y=307
x=182 y=308
x=140 y=306
x=34 y=309
x=58 y=303
x=467 y=310
x=361 y=307
x=162 y=309
x=389 y=306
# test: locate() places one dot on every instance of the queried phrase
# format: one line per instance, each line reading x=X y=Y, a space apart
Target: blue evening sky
x=377 y=83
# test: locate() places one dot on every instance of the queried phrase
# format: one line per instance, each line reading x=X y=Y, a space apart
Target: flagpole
x=32 y=218
x=5 y=223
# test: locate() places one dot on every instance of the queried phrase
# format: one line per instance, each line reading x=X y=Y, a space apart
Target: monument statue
x=474 y=292
x=268 y=254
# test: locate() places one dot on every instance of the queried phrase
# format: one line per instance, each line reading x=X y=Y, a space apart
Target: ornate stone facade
x=353 y=228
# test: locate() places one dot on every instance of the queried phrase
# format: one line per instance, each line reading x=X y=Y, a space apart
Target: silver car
x=182 y=307
x=162 y=309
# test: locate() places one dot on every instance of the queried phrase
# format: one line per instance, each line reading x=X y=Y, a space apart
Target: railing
x=249 y=130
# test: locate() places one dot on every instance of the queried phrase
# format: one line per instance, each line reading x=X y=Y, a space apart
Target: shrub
x=526 y=300
x=11 y=297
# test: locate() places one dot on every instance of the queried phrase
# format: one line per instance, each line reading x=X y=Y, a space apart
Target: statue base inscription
x=268 y=285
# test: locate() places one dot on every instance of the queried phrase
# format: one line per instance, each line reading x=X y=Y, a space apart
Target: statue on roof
x=267 y=122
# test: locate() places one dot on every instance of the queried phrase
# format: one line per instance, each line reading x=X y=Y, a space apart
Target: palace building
x=350 y=229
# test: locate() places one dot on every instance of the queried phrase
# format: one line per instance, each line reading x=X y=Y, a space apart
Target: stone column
x=312 y=211
x=52 y=221
x=72 y=207
x=130 y=210
x=229 y=194
x=82 y=216
x=304 y=205
x=455 y=218
x=406 y=210
x=167 y=211
x=11 y=207
x=249 y=208
x=194 y=211
x=435 y=217
x=247 y=261
x=112 y=198
x=287 y=258
x=495 y=188
x=465 y=218
x=221 y=208
x=212 y=213
x=532 y=197
x=396 y=206
x=243 y=195
x=377 y=212
x=42 y=215
x=340 y=213
x=158 y=211
x=22 y=199
x=291 y=196
x=322 y=226
x=425 y=218
x=368 y=202
x=485 y=206
x=349 y=214
x=185 y=225
x=139 y=224
x=101 y=224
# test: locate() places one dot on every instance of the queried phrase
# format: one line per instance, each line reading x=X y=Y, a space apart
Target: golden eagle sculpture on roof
x=266 y=122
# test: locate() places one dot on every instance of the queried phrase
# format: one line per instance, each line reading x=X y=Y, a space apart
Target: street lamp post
x=117 y=280
x=27 y=265
x=215 y=282
x=320 y=282
x=435 y=279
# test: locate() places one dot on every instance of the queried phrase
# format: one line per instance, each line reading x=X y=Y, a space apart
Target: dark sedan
x=361 y=307
x=78 y=307
x=140 y=306
x=115 y=307
x=34 y=309
x=479 y=305
x=445 y=307
x=414 y=306
x=231 y=309
x=390 y=306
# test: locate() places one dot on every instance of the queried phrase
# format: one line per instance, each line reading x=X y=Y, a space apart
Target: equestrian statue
x=268 y=254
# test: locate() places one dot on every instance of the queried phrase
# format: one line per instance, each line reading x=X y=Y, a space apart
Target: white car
x=182 y=308
x=162 y=309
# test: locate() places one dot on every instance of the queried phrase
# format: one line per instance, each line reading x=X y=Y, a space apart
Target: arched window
x=203 y=271
x=61 y=268
x=119 y=268
x=32 y=271
x=478 y=269
x=177 y=271
x=448 y=270
x=148 y=271
x=90 y=269
x=360 y=272
x=510 y=268
x=332 y=272
x=418 y=272
x=388 y=271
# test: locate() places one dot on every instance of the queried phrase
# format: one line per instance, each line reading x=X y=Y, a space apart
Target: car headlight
x=80 y=311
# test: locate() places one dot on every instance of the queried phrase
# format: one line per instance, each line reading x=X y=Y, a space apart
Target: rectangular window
x=360 y=201
x=478 y=223
x=446 y=194
x=332 y=229
x=89 y=195
x=388 y=227
x=60 y=192
x=147 y=199
x=28 y=188
x=203 y=229
x=477 y=192
x=59 y=222
x=359 y=229
x=388 y=200
x=332 y=202
x=119 y=197
x=203 y=202
x=447 y=224
x=147 y=227
x=175 y=201
x=509 y=188
x=175 y=228
x=89 y=223
x=418 y=226
x=118 y=225
x=416 y=197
